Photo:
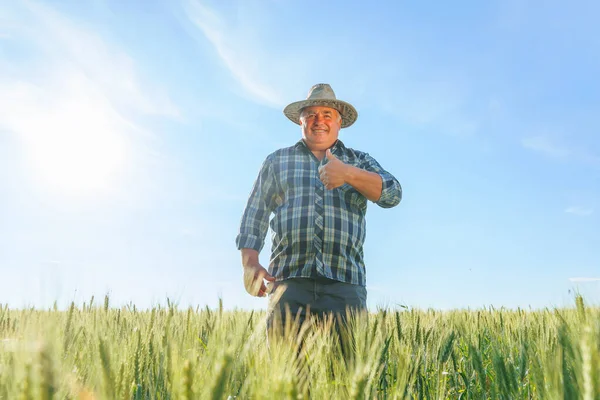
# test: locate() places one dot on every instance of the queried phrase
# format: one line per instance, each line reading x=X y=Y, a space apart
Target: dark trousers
x=293 y=302
x=300 y=298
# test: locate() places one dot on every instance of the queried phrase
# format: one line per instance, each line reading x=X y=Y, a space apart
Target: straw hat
x=322 y=95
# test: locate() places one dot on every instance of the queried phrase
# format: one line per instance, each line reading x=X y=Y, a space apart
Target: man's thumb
x=269 y=278
x=330 y=155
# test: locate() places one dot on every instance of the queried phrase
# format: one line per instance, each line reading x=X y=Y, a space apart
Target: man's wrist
x=249 y=257
x=349 y=173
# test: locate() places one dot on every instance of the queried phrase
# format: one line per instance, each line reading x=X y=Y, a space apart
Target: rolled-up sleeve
x=261 y=202
x=391 y=191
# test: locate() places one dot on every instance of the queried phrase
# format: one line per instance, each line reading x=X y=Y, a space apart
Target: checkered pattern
x=315 y=231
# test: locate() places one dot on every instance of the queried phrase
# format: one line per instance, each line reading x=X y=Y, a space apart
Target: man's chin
x=321 y=140
x=322 y=144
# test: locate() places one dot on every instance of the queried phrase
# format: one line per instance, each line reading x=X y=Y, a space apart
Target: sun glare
x=77 y=150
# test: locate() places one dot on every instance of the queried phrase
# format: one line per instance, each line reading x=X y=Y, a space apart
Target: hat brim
x=346 y=110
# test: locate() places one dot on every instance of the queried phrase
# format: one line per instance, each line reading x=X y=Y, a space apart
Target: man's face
x=320 y=127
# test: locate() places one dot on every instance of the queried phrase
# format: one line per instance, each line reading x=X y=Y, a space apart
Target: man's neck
x=320 y=154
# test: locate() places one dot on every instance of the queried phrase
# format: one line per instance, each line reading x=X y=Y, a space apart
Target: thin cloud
x=75 y=88
x=581 y=211
x=582 y=280
x=544 y=145
x=552 y=148
x=246 y=60
x=66 y=50
x=242 y=44
x=109 y=67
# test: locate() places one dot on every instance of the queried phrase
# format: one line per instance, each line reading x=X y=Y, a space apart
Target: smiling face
x=320 y=127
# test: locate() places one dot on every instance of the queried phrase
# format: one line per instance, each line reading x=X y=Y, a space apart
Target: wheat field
x=101 y=352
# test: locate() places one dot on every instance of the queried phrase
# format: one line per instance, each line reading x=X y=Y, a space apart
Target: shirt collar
x=338 y=144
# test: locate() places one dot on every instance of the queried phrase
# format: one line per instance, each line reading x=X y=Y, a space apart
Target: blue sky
x=131 y=134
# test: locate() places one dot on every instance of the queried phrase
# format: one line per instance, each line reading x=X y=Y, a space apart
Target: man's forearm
x=249 y=257
x=368 y=183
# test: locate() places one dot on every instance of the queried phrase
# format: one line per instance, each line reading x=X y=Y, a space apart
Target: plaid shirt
x=315 y=231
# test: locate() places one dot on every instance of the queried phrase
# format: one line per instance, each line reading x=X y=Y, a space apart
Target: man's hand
x=333 y=174
x=254 y=274
x=254 y=280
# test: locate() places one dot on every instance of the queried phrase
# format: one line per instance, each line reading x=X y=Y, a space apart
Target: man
x=317 y=192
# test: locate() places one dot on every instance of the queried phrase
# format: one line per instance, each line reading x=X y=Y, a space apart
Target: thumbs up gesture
x=333 y=174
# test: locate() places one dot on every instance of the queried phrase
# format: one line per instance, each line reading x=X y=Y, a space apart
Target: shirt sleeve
x=391 y=191
x=261 y=202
